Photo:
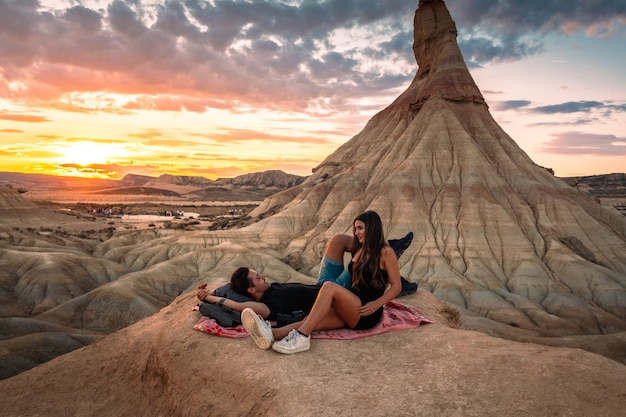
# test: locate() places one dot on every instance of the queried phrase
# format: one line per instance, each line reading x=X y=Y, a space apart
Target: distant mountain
x=266 y=179
x=258 y=183
x=140 y=191
x=253 y=187
x=32 y=182
x=134 y=180
x=272 y=178
x=167 y=179
x=607 y=185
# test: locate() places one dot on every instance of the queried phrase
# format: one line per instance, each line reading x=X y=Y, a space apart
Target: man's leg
x=408 y=287
x=399 y=246
x=259 y=329
x=332 y=271
x=332 y=268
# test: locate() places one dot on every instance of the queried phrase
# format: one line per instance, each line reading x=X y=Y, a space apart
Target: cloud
x=582 y=143
x=589 y=112
x=605 y=109
x=501 y=30
x=570 y=107
x=11 y=131
x=533 y=15
x=27 y=118
x=297 y=56
x=479 y=50
x=512 y=105
x=172 y=143
x=242 y=135
x=197 y=55
x=113 y=171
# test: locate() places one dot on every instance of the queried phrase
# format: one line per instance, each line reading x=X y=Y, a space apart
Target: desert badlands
x=524 y=275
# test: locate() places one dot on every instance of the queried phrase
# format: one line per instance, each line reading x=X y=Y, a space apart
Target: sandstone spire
x=495 y=234
x=517 y=250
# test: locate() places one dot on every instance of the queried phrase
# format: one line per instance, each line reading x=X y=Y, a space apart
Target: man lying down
x=281 y=302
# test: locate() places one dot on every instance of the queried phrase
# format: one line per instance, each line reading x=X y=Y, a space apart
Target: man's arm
x=259 y=308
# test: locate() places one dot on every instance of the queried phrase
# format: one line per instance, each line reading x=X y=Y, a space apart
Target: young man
x=268 y=301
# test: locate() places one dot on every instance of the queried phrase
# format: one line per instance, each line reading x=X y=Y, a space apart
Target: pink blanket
x=396 y=316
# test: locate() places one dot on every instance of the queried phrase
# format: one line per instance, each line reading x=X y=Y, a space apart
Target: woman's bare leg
x=334 y=308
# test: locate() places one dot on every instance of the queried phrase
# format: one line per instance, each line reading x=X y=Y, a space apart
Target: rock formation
x=160 y=367
x=518 y=252
x=495 y=234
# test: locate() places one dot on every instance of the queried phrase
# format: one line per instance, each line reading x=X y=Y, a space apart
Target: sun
x=87 y=153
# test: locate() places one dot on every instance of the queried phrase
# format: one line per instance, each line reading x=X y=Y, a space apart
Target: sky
x=217 y=88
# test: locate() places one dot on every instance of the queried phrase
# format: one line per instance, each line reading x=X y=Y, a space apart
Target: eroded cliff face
x=520 y=253
x=495 y=234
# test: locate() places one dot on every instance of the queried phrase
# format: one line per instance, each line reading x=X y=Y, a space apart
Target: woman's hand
x=369 y=308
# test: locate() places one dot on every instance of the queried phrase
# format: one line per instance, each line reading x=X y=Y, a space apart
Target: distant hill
x=140 y=191
x=134 y=180
x=273 y=178
x=253 y=187
x=37 y=182
x=607 y=185
x=183 y=180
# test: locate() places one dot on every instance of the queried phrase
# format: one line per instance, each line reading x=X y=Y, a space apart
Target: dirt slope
x=161 y=367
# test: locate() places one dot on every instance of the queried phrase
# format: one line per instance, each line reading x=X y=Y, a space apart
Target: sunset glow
x=86 y=153
x=219 y=89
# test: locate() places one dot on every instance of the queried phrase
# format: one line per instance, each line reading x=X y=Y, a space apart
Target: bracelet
x=221 y=302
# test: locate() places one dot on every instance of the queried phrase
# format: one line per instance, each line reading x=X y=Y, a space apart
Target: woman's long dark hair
x=369 y=260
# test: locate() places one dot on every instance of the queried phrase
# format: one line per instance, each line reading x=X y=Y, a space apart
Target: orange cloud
x=28 y=118
x=240 y=135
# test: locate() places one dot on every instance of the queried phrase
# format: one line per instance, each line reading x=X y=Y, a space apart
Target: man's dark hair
x=239 y=281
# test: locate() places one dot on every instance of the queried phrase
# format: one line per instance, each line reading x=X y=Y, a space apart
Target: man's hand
x=202 y=292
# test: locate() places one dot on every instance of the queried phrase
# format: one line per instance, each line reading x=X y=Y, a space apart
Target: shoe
x=294 y=342
x=259 y=329
x=408 y=288
x=400 y=245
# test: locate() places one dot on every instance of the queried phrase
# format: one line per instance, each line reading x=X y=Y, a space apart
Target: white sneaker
x=259 y=329
x=294 y=342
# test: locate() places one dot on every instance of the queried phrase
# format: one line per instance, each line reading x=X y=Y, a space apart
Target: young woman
x=375 y=281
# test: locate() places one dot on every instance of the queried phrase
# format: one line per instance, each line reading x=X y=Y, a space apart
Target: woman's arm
x=389 y=262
